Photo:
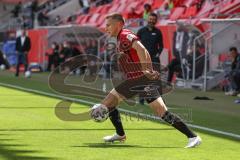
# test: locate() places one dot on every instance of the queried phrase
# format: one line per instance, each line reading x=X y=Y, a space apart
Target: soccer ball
x=27 y=74
x=99 y=113
x=2 y=67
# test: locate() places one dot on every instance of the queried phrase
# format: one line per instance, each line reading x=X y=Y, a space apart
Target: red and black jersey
x=129 y=62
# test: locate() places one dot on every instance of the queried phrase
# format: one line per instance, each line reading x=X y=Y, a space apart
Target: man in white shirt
x=23 y=46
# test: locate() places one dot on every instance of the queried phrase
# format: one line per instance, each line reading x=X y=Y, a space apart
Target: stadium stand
x=61 y=12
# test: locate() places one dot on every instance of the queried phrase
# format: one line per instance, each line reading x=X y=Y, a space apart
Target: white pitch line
x=122 y=110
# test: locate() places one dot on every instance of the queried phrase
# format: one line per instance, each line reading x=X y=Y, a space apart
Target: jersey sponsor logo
x=154 y=34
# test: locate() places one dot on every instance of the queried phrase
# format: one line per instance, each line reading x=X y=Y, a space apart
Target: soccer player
x=129 y=46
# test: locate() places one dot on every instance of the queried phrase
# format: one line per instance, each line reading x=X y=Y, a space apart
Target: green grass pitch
x=29 y=129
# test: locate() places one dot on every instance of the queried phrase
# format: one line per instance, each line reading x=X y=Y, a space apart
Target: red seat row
x=184 y=9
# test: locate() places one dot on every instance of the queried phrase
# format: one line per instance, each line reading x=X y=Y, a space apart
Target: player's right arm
x=145 y=60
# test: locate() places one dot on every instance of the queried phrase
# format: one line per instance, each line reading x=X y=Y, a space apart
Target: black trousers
x=174 y=66
x=22 y=58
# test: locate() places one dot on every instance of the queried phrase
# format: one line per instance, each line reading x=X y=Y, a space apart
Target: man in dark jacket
x=180 y=46
x=151 y=38
x=23 y=46
x=234 y=75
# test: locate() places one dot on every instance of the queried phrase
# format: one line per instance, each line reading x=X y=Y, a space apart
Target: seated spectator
x=170 y=4
x=147 y=11
x=164 y=12
x=42 y=18
x=53 y=57
x=234 y=75
x=66 y=52
x=57 y=20
x=17 y=9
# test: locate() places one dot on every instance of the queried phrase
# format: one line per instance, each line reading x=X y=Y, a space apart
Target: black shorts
x=142 y=86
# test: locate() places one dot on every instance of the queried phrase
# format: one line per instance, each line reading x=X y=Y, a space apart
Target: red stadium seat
x=100 y=21
x=157 y=4
x=93 y=19
x=132 y=5
x=206 y=9
x=79 y=19
x=93 y=10
x=190 y=12
x=189 y=2
x=114 y=7
x=83 y=19
x=230 y=6
x=105 y=9
x=121 y=8
x=176 y=13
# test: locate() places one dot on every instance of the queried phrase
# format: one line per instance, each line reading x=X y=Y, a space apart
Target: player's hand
x=152 y=75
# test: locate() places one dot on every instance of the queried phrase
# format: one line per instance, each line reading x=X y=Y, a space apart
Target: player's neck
x=117 y=33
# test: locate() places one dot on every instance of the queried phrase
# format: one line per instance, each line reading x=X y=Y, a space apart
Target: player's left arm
x=145 y=60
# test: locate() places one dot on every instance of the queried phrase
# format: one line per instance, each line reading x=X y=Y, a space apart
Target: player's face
x=111 y=27
x=23 y=33
x=233 y=54
x=152 y=20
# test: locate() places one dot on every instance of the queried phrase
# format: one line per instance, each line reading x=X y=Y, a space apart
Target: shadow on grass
x=9 y=151
x=119 y=145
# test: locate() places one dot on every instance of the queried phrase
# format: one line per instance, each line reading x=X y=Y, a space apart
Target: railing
x=218 y=6
x=207 y=55
x=194 y=53
x=11 y=25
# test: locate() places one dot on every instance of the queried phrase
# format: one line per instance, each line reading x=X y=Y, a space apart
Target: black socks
x=168 y=117
x=115 y=118
x=177 y=123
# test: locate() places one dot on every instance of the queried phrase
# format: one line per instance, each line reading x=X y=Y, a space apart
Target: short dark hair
x=153 y=14
x=233 y=49
x=115 y=16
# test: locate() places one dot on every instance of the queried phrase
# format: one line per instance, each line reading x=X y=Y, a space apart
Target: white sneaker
x=114 y=137
x=193 y=142
x=231 y=93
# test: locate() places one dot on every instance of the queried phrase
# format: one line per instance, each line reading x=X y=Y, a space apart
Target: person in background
x=164 y=12
x=85 y=6
x=53 y=57
x=65 y=52
x=170 y=4
x=17 y=9
x=34 y=10
x=234 y=75
x=43 y=18
x=180 y=47
x=147 y=11
x=23 y=46
x=151 y=38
